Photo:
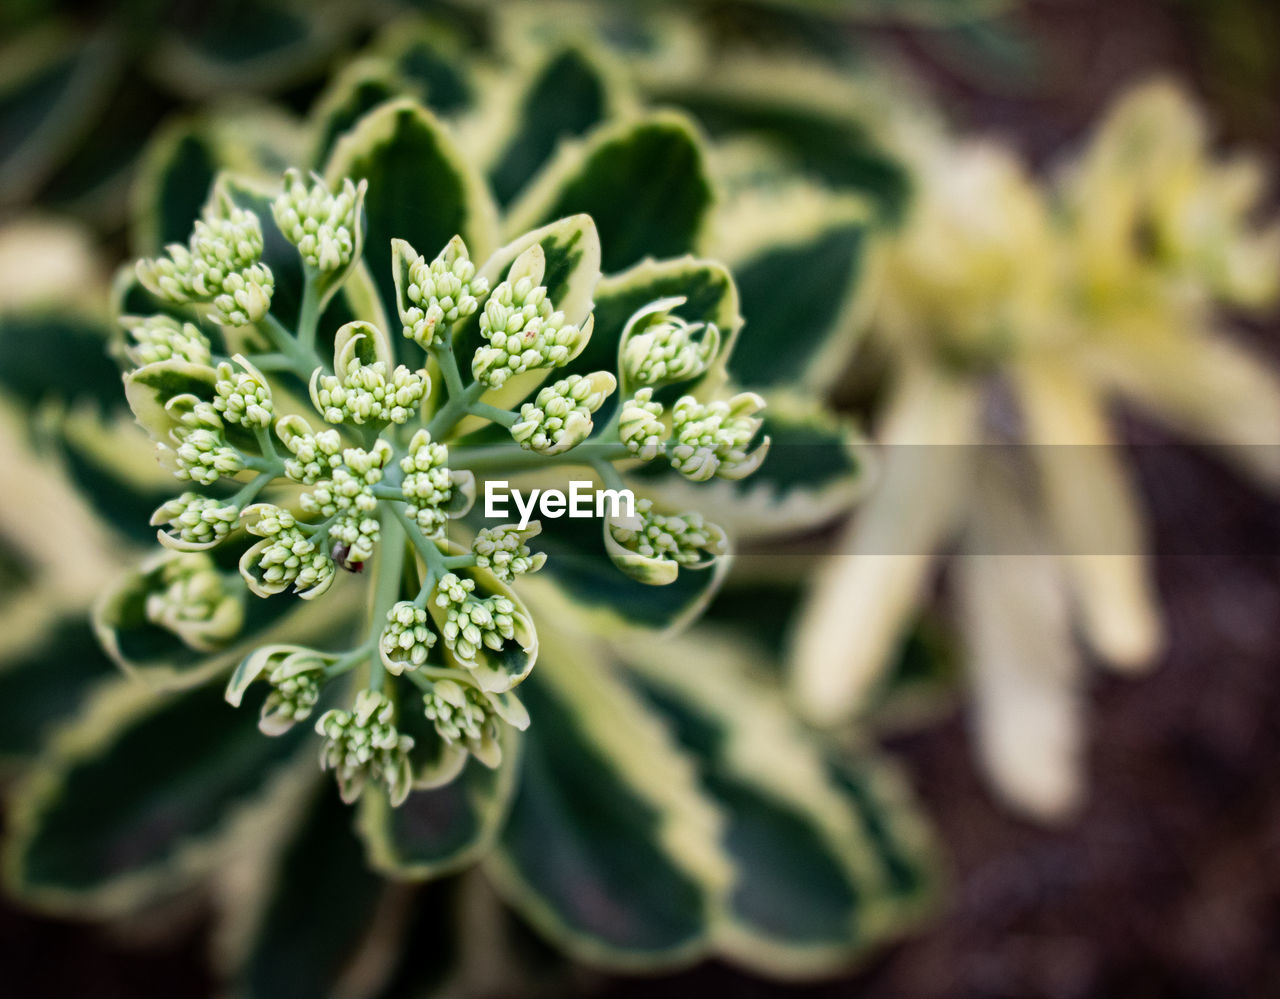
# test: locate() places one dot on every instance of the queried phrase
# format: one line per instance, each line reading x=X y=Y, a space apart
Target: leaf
x=51 y=87
x=278 y=253
x=645 y=183
x=131 y=797
x=174 y=179
x=435 y=60
x=813 y=887
x=149 y=389
x=610 y=849
x=823 y=123
x=799 y=298
x=248 y=47
x=566 y=97
x=355 y=91
x=871 y=585
x=421 y=188
x=439 y=830
x=145 y=648
x=319 y=909
x=46 y=680
x=35 y=347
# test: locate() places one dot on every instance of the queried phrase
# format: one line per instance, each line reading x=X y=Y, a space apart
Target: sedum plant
x=380 y=464
x=642 y=817
x=1018 y=324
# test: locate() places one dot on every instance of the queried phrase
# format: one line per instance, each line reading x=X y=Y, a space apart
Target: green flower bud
x=560 y=417
x=436 y=294
x=640 y=426
x=323 y=226
x=195 y=522
x=201 y=452
x=243 y=396
x=427 y=485
x=712 y=439
x=658 y=348
x=407 y=639
x=314 y=455
x=284 y=557
x=221 y=266
x=654 y=549
x=463 y=714
x=159 y=338
x=363 y=744
x=472 y=623
x=364 y=388
x=348 y=496
x=521 y=326
x=197 y=603
x=295 y=690
x=502 y=550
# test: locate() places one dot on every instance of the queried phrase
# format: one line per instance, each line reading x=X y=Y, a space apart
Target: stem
x=608 y=474
x=493 y=413
x=271 y=362
x=513 y=457
x=257 y=464
x=251 y=489
x=309 y=313
x=265 y=444
x=428 y=549
x=459 y=561
x=305 y=359
x=455 y=408
x=386 y=592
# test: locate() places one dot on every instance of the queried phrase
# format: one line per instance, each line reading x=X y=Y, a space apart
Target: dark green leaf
x=645 y=184
x=131 y=789
x=420 y=188
x=566 y=97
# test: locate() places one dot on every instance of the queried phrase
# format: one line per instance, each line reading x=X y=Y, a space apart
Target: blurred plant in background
x=1011 y=314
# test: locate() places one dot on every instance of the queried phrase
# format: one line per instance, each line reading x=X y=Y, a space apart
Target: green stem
x=265 y=444
x=271 y=362
x=428 y=549
x=386 y=592
x=455 y=408
x=494 y=414
x=512 y=457
x=251 y=489
x=305 y=359
x=459 y=561
x=608 y=474
x=309 y=312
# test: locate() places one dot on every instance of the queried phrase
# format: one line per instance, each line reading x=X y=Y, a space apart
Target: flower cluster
x=427 y=484
x=407 y=639
x=560 y=417
x=440 y=292
x=685 y=539
x=200 y=452
x=393 y=469
x=659 y=348
x=364 y=743
x=472 y=623
x=286 y=556
x=713 y=439
x=365 y=388
x=159 y=338
x=221 y=266
x=323 y=226
x=504 y=552
x=195 y=521
x=521 y=326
